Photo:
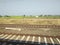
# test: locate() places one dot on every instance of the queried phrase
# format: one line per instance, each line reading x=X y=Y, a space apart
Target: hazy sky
x=29 y=7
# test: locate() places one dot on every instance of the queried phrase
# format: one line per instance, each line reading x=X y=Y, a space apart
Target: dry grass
x=30 y=21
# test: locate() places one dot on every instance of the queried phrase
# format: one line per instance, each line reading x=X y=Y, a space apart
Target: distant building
x=36 y=16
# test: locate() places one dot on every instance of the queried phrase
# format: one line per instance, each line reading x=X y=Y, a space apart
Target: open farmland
x=33 y=21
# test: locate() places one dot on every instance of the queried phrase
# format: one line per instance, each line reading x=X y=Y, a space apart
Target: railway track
x=29 y=26
x=13 y=39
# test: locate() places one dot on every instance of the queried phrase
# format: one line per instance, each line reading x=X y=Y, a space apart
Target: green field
x=41 y=20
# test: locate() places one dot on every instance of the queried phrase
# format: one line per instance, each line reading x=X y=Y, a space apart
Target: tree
x=6 y=16
x=0 y=16
x=40 y=15
x=24 y=16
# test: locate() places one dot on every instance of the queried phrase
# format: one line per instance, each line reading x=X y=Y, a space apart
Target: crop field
x=41 y=20
x=32 y=21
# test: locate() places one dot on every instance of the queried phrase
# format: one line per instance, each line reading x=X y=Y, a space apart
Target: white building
x=36 y=16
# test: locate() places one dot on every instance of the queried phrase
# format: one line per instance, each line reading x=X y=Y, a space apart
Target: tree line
x=39 y=16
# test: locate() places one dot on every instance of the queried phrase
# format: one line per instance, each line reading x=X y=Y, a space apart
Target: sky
x=29 y=7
